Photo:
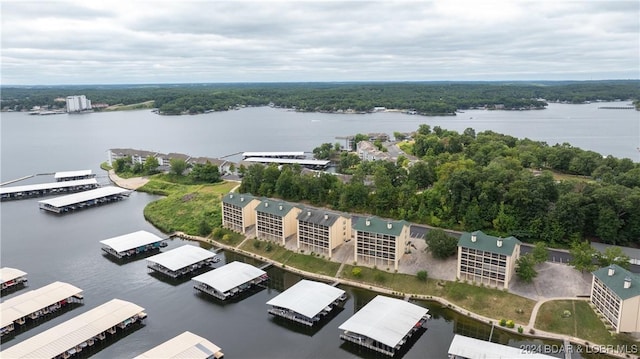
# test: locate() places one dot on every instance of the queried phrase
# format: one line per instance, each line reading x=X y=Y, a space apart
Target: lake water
x=66 y=248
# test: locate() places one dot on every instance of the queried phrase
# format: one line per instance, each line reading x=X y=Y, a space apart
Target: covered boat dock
x=384 y=324
x=469 y=348
x=132 y=244
x=85 y=199
x=73 y=175
x=36 y=303
x=298 y=155
x=45 y=189
x=181 y=261
x=76 y=334
x=229 y=280
x=185 y=345
x=12 y=277
x=313 y=164
x=307 y=302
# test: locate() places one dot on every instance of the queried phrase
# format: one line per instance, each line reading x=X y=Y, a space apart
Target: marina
x=463 y=347
x=12 y=278
x=384 y=324
x=37 y=303
x=73 y=175
x=307 y=302
x=185 y=345
x=85 y=199
x=132 y=244
x=229 y=280
x=313 y=164
x=80 y=332
x=293 y=155
x=181 y=261
x=45 y=189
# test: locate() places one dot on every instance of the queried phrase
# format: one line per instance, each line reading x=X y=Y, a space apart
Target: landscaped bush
x=422 y=275
x=520 y=329
x=356 y=272
x=503 y=322
x=510 y=323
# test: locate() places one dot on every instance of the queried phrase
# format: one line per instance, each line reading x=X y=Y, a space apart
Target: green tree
x=540 y=253
x=151 y=165
x=613 y=255
x=207 y=173
x=177 y=166
x=583 y=256
x=440 y=244
x=122 y=164
x=422 y=275
x=525 y=268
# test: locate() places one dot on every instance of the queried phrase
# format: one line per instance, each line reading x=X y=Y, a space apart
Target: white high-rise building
x=78 y=103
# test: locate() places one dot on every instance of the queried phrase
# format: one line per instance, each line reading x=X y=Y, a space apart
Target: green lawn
x=305 y=262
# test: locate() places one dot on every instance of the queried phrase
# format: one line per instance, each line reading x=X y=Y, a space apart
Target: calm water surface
x=66 y=248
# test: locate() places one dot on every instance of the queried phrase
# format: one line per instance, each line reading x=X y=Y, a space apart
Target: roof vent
x=389 y=225
x=266 y=204
x=308 y=213
x=326 y=216
x=611 y=271
x=499 y=242
x=280 y=207
x=367 y=222
x=231 y=195
x=241 y=199
x=473 y=237
x=627 y=282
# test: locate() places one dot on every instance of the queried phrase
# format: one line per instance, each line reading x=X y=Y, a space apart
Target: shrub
x=226 y=237
x=566 y=313
x=510 y=323
x=257 y=244
x=356 y=272
x=268 y=247
x=503 y=322
x=422 y=275
x=520 y=329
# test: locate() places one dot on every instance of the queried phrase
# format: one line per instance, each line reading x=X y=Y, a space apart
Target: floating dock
x=469 y=348
x=229 y=280
x=12 y=277
x=384 y=324
x=132 y=244
x=37 y=303
x=314 y=164
x=85 y=199
x=294 y=155
x=73 y=175
x=307 y=302
x=45 y=189
x=72 y=336
x=185 y=345
x=181 y=261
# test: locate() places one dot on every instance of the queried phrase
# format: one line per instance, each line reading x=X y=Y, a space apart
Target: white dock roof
x=131 y=240
x=230 y=276
x=66 y=174
x=84 y=196
x=479 y=349
x=288 y=161
x=272 y=154
x=42 y=186
x=67 y=335
x=185 y=345
x=307 y=297
x=386 y=320
x=7 y=274
x=181 y=257
x=34 y=300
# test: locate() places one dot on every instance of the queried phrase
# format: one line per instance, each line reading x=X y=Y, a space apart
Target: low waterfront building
x=463 y=347
x=82 y=331
x=384 y=324
x=185 y=345
x=615 y=294
x=292 y=155
x=380 y=242
x=239 y=211
x=45 y=189
x=85 y=199
x=181 y=261
x=73 y=175
x=307 y=302
x=131 y=244
x=314 y=164
x=321 y=231
x=276 y=220
x=37 y=303
x=632 y=253
x=486 y=259
x=230 y=280
x=12 y=278
x=367 y=151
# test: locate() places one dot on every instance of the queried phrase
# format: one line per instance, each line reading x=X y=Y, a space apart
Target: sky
x=187 y=41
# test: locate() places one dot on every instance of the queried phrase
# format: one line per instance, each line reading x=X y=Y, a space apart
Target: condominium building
x=78 y=103
x=238 y=211
x=380 y=242
x=276 y=220
x=615 y=294
x=321 y=231
x=486 y=259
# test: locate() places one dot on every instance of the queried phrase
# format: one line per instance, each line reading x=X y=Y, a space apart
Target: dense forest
x=486 y=181
x=427 y=98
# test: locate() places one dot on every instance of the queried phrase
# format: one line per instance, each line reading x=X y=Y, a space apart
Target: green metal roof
x=379 y=225
x=485 y=242
x=238 y=199
x=615 y=282
x=277 y=208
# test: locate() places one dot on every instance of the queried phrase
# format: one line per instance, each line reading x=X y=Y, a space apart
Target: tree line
x=486 y=181
x=427 y=98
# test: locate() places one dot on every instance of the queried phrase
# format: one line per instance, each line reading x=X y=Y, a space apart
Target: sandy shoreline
x=128 y=183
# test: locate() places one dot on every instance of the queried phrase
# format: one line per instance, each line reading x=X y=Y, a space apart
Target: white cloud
x=59 y=42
